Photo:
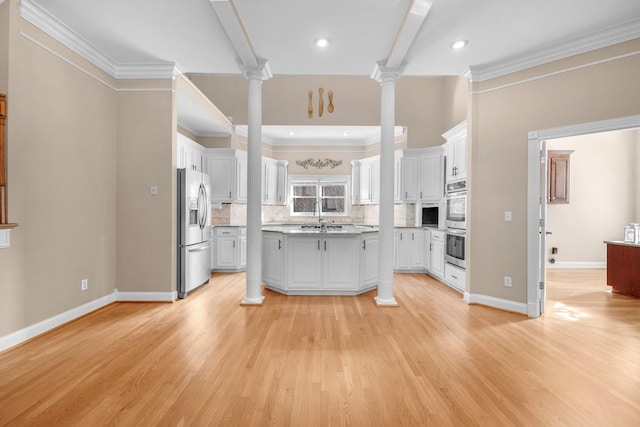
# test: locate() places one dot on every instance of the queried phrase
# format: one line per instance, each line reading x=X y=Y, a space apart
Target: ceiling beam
x=416 y=14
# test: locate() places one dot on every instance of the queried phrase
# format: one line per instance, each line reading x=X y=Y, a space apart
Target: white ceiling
x=362 y=32
x=504 y=35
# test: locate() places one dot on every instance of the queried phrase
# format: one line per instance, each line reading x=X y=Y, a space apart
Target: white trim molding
x=597 y=40
x=5 y=236
x=25 y=334
x=38 y=16
x=489 y=301
x=146 y=296
x=578 y=265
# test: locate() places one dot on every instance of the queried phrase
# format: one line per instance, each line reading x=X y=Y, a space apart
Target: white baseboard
x=146 y=296
x=32 y=331
x=577 y=265
x=502 y=304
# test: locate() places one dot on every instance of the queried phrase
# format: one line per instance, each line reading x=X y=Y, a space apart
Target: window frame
x=319 y=181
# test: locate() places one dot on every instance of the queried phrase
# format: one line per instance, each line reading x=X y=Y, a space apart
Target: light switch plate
x=153 y=190
x=508 y=216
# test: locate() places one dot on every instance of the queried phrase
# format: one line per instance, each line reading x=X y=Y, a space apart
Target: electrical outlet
x=153 y=189
x=85 y=284
x=507 y=281
x=508 y=216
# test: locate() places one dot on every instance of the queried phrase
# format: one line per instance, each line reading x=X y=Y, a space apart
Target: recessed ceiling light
x=459 y=44
x=345 y=133
x=322 y=42
x=291 y=133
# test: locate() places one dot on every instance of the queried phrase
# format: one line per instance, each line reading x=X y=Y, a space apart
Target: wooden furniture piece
x=623 y=267
x=5 y=225
x=558 y=179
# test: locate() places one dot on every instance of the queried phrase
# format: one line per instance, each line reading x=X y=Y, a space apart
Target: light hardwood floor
x=319 y=361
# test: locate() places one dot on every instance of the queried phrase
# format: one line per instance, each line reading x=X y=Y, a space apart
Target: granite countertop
x=298 y=229
x=622 y=243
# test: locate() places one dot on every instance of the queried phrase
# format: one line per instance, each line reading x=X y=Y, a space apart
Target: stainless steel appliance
x=430 y=215
x=194 y=231
x=456 y=208
x=455 y=247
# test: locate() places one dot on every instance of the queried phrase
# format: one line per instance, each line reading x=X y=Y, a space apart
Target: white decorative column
x=387 y=78
x=255 y=75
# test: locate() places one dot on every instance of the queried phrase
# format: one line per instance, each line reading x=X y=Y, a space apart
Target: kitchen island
x=623 y=267
x=308 y=260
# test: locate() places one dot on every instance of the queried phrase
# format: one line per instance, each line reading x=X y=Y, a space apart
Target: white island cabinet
x=320 y=263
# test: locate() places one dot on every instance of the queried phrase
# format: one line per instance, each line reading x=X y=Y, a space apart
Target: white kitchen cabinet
x=437 y=253
x=410 y=177
x=322 y=263
x=375 y=180
x=355 y=182
x=455 y=277
x=456 y=149
x=269 y=181
x=229 y=252
x=409 y=249
x=431 y=175
x=228 y=175
x=274 y=181
x=426 y=252
x=282 y=187
x=397 y=177
x=369 y=259
x=190 y=154
x=273 y=259
x=365 y=182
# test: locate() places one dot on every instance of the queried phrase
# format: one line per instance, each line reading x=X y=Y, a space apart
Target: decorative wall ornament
x=330 y=107
x=319 y=164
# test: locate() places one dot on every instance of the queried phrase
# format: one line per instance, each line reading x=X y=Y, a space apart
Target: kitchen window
x=324 y=195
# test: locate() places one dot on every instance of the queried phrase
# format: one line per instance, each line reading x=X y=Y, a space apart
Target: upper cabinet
x=456 y=149
x=420 y=174
x=558 y=176
x=274 y=181
x=190 y=155
x=228 y=174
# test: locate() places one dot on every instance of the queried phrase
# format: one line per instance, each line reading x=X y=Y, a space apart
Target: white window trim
x=318 y=179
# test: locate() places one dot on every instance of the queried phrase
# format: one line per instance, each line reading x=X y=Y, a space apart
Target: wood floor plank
x=318 y=361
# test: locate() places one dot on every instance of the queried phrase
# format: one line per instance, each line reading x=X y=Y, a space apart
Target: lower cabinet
x=229 y=249
x=437 y=253
x=409 y=250
x=317 y=264
x=455 y=276
x=323 y=263
x=273 y=259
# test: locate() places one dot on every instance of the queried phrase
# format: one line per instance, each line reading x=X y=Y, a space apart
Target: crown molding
x=600 y=39
x=36 y=15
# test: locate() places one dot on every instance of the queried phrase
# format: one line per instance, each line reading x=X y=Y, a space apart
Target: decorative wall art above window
x=319 y=164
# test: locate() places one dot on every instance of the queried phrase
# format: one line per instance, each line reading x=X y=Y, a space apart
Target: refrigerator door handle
x=204 y=248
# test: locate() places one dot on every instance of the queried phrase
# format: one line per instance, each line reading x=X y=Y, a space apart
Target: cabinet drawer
x=225 y=231
x=437 y=236
x=455 y=276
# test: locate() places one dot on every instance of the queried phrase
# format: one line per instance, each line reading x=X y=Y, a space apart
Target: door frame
x=537 y=195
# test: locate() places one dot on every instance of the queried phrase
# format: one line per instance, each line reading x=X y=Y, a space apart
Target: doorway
x=537 y=205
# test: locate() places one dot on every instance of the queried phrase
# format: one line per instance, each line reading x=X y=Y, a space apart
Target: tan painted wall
x=146 y=224
x=4 y=46
x=356 y=100
x=504 y=111
x=454 y=101
x=637 y=176
x=602 y=195
x=61 y=139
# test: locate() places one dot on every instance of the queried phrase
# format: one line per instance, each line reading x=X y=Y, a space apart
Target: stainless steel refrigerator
x=194 y=230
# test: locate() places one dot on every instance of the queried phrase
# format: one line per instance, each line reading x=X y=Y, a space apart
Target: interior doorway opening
x=537 y=202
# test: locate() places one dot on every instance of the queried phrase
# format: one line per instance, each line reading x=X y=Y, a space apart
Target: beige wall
x=61 y=158
x=454 y=101
x=4 y=46
x=356 y=99
x=504 y=111
x=83 y=150
x=146 y=224
x=602 y=195
x=637 y=177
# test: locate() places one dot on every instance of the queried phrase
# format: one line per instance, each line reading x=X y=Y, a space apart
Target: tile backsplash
x=236 y=214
